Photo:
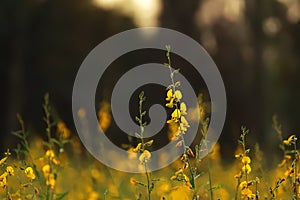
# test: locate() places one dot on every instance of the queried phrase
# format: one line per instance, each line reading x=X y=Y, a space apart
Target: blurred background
x=255 y=44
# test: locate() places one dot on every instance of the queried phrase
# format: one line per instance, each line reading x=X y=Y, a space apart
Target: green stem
x=295 y=172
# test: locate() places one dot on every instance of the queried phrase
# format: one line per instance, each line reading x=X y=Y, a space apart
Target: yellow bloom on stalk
x=238 y=156
x=46 y=170
x=243 y=185
x=3 y=160
x=55 y=161
x=246 y=168
x=169 y=95
x=30 y=173
x=62 y=129
x=10 y=170
x=290 y=140
x=247 y=193
x=184 y=124
x=133 y=181
x=93 y=196
x=176 y=115
x=183 y=108
x=246 y=160
x=50 y=177
x=173 y=97
x=50 y=154
x=178 y=95
x=170 y=98
x=51 y=181
x=137 y=148
x=3 y=180
x=145 y=156
x=180 y=171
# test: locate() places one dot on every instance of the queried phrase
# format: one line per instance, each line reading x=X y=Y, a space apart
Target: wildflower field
x=55 y=165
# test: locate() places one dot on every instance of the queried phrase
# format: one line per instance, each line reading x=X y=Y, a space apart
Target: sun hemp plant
x=141 y=148
x=174 y=101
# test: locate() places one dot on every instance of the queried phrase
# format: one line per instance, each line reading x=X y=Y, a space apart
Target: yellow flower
x=246 y=160
x=290 y=140
x=138 y=147
x=183 y=108
x=55 y=161
x=178 y=95
x=243 y=185
x=46 y=170
x=173 y=97
x=237 y=176
x=3 y=180
x=180 y=171
x=93 y=196
x=145 y=156
x=3 y=160
x=169 y=95
x=289 y=172
x=176 y=114
x=287 y=156
x=170 y=104
x=184 y=124
x=247 y=193
x=30 y=173
x=133 y=181
x=10 y=170
x=246 y=168
x=62 y=129
x=50 y=154
x=282 y=163
x=238 y=155
x=51 y=181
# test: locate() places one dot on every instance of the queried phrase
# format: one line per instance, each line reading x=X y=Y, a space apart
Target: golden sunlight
x=144 y=13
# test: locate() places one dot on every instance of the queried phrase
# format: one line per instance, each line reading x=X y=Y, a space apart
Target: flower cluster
x=52 y=157
x=63 y=130
x=246 y=163
x=30 y=173
x=49 y=176
x=244 y=186
x=9 y=171
x=48 y=169
x=182 y=177
x=145 y=154
x=178 y=115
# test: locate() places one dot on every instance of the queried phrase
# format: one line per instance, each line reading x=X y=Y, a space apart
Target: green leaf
x=177 y=84
x=143 y=113
x=137 y=135
x=17 y=134
x=61 y=195
x=169 y=87
x=55 y=141
x=216 y=187
x=137 y=119
x=176 y=71
x=149 y=143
